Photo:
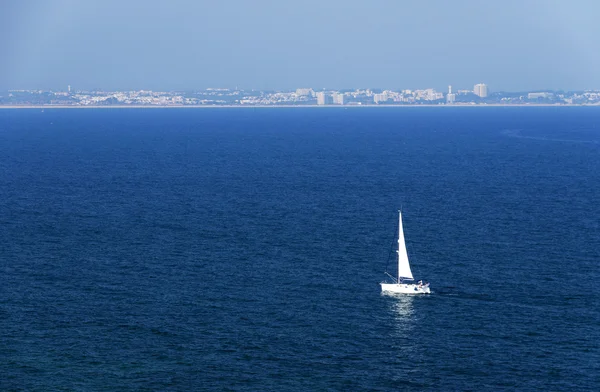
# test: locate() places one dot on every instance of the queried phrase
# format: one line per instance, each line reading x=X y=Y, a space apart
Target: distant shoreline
x=281 y=106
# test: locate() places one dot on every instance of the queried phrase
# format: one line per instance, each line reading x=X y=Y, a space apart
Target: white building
x=380 y=97
x=539 y=95
x=428 y=95
x=303 y=92
x=480 y=90
x=321 y=98
x=338 y=98
x=450 y=97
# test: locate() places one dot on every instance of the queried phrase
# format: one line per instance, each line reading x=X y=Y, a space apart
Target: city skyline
x=269 y=45
x=479 y=95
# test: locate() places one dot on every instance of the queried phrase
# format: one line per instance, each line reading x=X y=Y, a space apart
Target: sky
x=511 y=45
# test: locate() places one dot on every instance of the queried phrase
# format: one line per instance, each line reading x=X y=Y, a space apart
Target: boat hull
x=404 y=288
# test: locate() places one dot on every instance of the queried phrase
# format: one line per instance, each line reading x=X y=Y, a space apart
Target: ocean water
x=242 y=249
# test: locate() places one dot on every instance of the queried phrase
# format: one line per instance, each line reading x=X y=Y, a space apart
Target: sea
x=241 y=249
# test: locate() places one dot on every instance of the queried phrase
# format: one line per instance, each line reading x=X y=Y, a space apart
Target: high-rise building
x=69 y=88
x=450 y=97
x=321 y=98
x=338 y=98
x=480 y=90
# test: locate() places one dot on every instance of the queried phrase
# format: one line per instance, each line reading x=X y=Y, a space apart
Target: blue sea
x=242 y=249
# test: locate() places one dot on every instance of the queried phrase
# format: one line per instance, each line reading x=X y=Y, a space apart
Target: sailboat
x=405 y=282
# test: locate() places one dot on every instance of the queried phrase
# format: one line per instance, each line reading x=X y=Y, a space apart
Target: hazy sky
x=283 y=44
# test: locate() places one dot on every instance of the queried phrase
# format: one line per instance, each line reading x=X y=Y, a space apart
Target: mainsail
x=404 y=271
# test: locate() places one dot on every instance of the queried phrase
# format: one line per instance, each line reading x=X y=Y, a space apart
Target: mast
x=400 y=235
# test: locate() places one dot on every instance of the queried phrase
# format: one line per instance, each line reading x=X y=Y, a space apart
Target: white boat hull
x=405 y=288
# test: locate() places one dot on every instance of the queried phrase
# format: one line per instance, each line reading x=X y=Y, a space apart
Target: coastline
x=281 y=106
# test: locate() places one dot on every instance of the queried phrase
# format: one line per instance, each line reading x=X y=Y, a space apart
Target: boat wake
x=452 y=291
x=516 y=133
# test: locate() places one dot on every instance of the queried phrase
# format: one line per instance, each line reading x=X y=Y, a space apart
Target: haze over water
x=264 y=44
x=242 y=249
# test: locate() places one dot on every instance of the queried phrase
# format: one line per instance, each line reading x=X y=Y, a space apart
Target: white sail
x=404 y=271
